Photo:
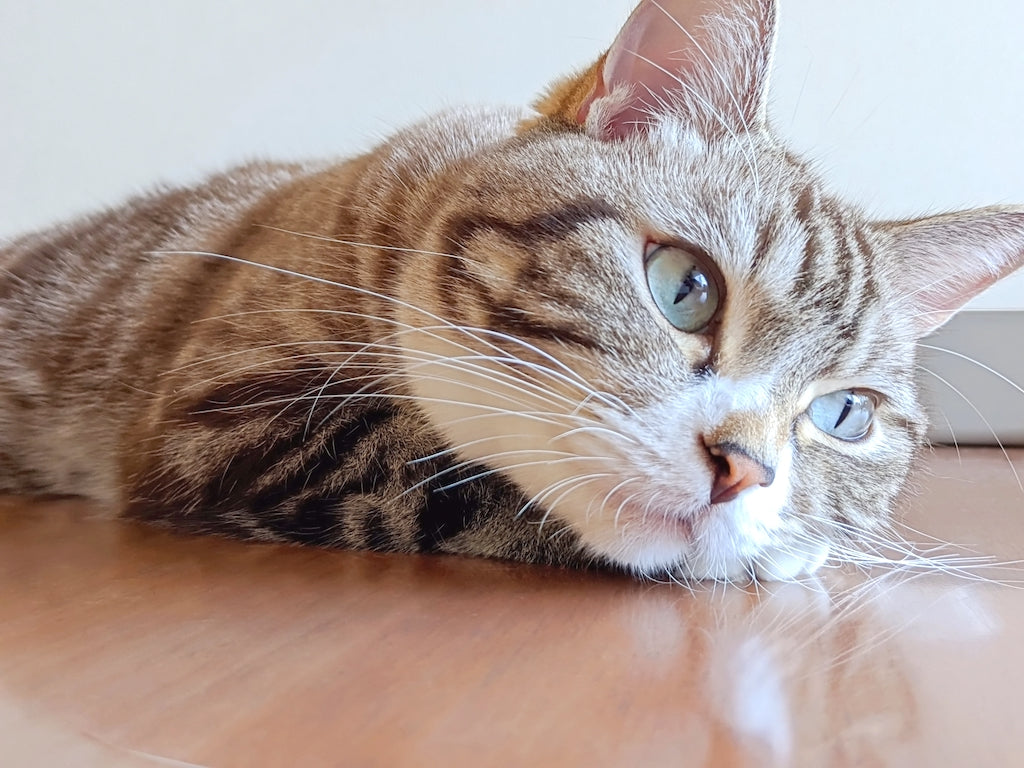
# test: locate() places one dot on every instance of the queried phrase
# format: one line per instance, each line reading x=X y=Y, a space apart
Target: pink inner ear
x=947 y=260
x=659 y=50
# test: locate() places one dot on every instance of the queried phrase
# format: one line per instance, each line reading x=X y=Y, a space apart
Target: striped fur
x=449 y=344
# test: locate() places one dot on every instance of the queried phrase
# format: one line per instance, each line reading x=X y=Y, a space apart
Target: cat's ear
x=705 y=60
x=942 y=262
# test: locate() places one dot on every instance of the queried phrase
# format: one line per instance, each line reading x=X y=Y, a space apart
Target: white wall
x=910 y=105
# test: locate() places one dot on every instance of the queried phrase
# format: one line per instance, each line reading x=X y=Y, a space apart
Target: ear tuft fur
x=704 y=61
x=945 y=261
x=565 y=98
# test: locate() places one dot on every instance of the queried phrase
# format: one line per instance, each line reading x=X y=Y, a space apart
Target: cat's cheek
x=639 y=537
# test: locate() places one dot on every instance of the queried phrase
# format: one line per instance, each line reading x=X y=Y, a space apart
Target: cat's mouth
x=676 y=528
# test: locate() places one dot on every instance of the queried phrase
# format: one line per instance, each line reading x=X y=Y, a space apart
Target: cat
x=625 y=329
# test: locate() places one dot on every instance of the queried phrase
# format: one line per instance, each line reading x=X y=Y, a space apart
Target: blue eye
x=683 y=288
x=846 y=415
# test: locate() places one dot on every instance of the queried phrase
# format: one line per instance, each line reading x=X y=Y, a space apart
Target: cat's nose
x=735 y=472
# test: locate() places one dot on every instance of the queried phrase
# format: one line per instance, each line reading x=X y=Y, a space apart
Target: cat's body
x=460 y=342
x=224 y=348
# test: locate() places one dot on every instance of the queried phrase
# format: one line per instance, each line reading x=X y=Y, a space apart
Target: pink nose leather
x=735 y=472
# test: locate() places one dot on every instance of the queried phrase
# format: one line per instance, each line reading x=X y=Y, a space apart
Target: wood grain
x=125 y=645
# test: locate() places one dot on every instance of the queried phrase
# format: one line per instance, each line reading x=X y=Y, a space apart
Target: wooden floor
x=124 y=646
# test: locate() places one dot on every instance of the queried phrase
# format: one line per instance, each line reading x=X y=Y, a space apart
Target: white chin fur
x=746 y=538
x=786 y=563
x=783 y=563
x=735 y=542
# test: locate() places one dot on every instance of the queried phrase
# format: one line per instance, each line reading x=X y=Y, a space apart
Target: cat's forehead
x=720 y=193
x=724 y=193
x=806 y=294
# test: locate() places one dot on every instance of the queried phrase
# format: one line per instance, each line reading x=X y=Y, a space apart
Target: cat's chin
x=751 y=537
x=787 y=563
x=660 y=559
x=706 y=545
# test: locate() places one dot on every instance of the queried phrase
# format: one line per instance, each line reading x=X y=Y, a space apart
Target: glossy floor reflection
x=122 y=645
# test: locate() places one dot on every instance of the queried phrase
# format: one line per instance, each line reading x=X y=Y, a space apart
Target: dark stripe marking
x=804 y=210
x=548 y=226
x=447 y=512
x=516 y=322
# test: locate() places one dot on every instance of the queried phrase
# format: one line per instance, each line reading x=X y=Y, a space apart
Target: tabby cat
x=626 y=329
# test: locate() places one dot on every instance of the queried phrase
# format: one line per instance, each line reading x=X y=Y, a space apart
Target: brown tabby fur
x=423 y=348
x=127 y=410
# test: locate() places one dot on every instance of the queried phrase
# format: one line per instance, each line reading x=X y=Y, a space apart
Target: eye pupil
x=846 y=411
x=685 y=289
x=694 y=281
x=846 y=415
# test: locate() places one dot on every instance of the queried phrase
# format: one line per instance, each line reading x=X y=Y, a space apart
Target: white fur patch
x=634 y=486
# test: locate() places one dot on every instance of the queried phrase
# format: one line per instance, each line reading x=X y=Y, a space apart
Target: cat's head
x=674 y=339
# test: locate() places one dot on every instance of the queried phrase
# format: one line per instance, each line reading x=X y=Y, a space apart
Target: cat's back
x=95 y=311
x=72 y=296
x=88 y=247
x=83 y=252
x=75 y=301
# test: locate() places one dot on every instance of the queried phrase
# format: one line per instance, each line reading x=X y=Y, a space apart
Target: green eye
x=846 y=415
x=682 y=287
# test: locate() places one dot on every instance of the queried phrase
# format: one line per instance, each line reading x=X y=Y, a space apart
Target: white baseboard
x=987 y=405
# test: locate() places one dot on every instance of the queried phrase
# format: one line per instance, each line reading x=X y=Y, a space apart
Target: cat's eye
x=683 y=287
x=846 y=415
